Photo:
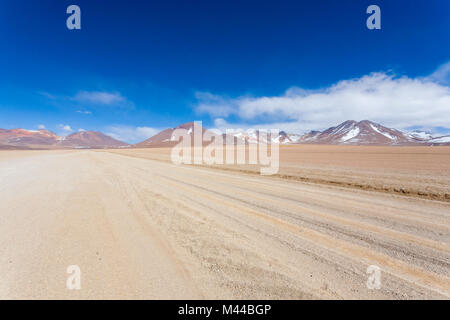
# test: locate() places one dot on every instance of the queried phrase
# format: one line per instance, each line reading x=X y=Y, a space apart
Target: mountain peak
x=364 y=132
x=187 y=125
x=91 y=139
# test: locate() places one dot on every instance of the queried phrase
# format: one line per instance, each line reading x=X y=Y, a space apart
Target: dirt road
x=140 y=228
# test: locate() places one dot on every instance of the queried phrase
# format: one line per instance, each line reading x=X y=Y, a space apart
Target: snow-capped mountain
x=287 y=138
x=370 y=133
x=350 y=133
x=358 y=133
x=419 y=135
x=347 y=133
x=440 y=140
x=252 y=136
x=165 y=138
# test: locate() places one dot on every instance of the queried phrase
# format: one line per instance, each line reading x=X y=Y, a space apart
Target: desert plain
x=140 y=227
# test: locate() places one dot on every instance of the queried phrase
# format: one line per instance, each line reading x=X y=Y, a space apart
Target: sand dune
x=144 y=228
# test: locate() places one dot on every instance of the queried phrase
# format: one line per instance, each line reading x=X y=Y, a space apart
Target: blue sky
x=138 y=66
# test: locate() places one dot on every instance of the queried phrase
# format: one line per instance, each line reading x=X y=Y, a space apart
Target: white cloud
x=91 y=98
x=442 y=74
x=131 y=134
x=216 y=105
x=41 y=127
x=101 y=98
x=291 y=127
x=81 y=130
x=399 y=102
x=64 y=129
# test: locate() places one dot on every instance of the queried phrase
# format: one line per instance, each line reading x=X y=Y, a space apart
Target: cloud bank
x=399 y=102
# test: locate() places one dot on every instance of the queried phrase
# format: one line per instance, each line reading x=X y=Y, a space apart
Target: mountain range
x=44 y=139
x=347 y=133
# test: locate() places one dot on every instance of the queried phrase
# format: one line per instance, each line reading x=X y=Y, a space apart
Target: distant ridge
x=360 y=133
x=44 y=139
x=349 y=132
x=25 y=138
x=91 y=139
x=370 y=133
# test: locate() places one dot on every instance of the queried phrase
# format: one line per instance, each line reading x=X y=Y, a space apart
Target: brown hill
x=164 y=138
x=91 y=139
x=44 y=139
x=25 y=138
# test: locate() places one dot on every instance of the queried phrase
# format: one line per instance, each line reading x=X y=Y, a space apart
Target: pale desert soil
x=411 y=171
x=143 y=228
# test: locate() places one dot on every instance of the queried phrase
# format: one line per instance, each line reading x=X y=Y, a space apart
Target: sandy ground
x=422 y=172
x=148 y=229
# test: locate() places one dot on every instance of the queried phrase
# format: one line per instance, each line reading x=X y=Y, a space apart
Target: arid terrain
x=141 y=227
